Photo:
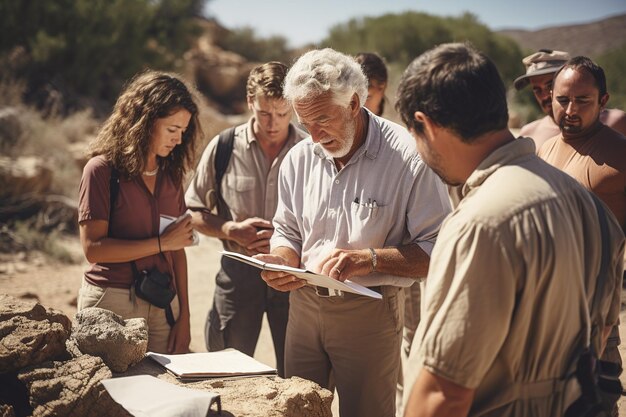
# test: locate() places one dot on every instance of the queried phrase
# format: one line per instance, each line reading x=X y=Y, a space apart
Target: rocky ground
x=56 y=285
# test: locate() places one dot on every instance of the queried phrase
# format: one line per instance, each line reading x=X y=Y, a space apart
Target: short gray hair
x=326 y=70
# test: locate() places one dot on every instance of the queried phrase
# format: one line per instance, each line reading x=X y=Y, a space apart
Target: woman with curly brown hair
x=134 y=176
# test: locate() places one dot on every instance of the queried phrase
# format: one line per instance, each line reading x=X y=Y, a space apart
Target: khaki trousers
x=357 y=338
x=118 y=300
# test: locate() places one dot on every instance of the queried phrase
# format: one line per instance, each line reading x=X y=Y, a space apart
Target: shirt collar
x=250 y=137
x=504 y=155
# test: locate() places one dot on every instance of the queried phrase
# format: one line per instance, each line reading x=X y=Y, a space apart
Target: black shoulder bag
x=153 y=286
x=593 y=374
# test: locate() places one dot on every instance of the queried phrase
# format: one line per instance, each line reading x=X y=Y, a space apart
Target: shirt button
x=336 y=181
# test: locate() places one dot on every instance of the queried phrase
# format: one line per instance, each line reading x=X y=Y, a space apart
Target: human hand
x=342 y=264
x=281 y=281
x=180 y=336
x=253 y=234
x=177 y=235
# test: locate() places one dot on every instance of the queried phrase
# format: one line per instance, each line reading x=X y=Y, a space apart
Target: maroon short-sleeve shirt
x=135 y=215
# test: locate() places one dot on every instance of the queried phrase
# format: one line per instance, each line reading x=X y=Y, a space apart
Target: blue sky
x=309 y=21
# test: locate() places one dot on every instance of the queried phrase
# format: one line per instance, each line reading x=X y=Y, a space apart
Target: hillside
x=590 y=39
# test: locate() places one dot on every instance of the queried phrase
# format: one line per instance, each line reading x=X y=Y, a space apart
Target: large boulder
x=257 y=396
x=30 y=334
x=23 y=175
x=120 y=343
x=70 y=388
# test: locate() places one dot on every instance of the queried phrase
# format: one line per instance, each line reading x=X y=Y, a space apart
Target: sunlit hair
x=456 y=86
x=582 y=63
x=375 y=70
x=124 y=139
x=322 y=71
x=267 y=80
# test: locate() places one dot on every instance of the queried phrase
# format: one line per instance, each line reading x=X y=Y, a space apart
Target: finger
x=265 y=224
x=258 y=243
x=264 y=233
x=293 y=285
x=289 y=285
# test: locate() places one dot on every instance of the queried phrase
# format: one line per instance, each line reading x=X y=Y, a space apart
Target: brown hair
x=267 y=80
x=375 y=69
x=456 y=86
x=125 y=136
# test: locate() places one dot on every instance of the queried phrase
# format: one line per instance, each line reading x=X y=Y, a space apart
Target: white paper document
x=311 y=277
x=147 y=396
x=223 y=363
x=165 y=220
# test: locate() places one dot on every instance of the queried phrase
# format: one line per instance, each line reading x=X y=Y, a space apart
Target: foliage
x=402 y=37
x=246 y=43
x=87 y=48
x=613 y=63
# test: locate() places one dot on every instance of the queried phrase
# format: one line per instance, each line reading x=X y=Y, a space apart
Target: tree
x=87 y=48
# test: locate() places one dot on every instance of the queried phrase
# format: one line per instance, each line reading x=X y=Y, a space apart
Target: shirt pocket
x=239 y=195
x=368 y=225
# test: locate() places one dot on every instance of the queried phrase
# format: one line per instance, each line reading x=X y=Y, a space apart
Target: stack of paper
x=224 y=363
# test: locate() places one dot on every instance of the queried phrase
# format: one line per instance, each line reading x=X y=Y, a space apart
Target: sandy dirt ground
x=56 y=285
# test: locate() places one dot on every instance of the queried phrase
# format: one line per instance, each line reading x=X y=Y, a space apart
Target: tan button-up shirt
x=249 y=185
x=510 y=282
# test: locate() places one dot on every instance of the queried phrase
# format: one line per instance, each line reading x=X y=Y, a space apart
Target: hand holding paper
x=176 y=233
x=279 y=280
x=311 y=278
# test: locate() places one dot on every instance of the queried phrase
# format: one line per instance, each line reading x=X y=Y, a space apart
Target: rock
x=30 y=334
x=256 y=396
x=23 y=175
x=120 y=343
x=70 y=388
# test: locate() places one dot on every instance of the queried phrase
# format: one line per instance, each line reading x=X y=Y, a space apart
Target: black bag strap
x=223 y=153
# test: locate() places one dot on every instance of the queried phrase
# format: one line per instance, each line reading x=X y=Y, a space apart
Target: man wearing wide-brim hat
x=540 y=69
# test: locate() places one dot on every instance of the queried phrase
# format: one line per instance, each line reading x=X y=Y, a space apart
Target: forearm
x=108 y=250
x=182 y=286
x=405 y=261
x=209 y=224
x=434 y=396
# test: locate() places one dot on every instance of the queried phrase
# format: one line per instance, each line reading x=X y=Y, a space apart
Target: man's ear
x=429 y=125
x=355 y=105
x=603 y=100
x=250 y=101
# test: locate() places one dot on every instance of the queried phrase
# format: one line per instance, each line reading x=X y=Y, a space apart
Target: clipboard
x=310 y=277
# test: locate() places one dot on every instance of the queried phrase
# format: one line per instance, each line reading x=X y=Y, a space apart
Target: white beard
x=346 y=142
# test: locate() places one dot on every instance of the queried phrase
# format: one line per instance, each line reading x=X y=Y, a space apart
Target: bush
x=87 y=48
x=402 y=37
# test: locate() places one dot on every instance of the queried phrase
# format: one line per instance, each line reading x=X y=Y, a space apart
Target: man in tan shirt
x=250 y=192
x=540 y=69
x=515 y=263
x=589 y=151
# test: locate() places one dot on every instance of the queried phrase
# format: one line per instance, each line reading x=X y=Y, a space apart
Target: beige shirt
x=384 y=196
x=509 y=284
x=249 y=185
x=598 y=162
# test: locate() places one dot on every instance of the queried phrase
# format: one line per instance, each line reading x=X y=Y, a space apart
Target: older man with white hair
x=355 y=202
